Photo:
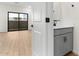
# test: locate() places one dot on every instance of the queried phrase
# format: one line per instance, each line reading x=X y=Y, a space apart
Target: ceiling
x=16 y=3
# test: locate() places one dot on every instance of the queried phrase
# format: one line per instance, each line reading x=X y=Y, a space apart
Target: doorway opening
x=17 y=21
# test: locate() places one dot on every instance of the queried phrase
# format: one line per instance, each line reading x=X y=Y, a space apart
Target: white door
x=38 y=30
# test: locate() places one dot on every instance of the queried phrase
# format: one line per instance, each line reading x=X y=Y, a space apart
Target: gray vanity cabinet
x=58 y=46
x=68 y=43
x=63 y=41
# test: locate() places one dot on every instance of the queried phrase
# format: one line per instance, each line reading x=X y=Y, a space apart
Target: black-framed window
x=17 y=21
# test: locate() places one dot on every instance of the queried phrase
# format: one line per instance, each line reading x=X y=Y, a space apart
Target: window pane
x=13 y=16
x=23 y=17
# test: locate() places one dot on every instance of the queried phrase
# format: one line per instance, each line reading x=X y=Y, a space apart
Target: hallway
x=17 y=43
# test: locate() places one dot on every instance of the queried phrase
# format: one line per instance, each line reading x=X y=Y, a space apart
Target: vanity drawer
x=62 y=31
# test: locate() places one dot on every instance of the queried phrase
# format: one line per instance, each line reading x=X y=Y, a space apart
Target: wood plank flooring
x=71 y=54
x=16 y=43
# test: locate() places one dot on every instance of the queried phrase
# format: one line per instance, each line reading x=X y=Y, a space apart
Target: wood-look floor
x=16 y=43
x=71 y=53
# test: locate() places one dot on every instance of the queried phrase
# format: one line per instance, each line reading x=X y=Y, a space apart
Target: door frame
x=18 y=20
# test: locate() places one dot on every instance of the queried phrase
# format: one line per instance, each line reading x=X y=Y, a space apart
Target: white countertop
x=58 y=27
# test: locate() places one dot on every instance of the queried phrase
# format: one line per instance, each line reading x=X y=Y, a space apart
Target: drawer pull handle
x=65 y=39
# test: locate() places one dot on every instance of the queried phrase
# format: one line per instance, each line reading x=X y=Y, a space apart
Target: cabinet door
x=58 y=46
x=68 y=42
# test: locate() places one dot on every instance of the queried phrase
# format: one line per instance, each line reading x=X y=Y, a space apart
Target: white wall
x=4 y=8
x=3 y=17
x=49 y=29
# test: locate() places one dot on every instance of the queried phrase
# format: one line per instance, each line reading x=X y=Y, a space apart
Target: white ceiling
x=16 y=3
x=20 y=4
